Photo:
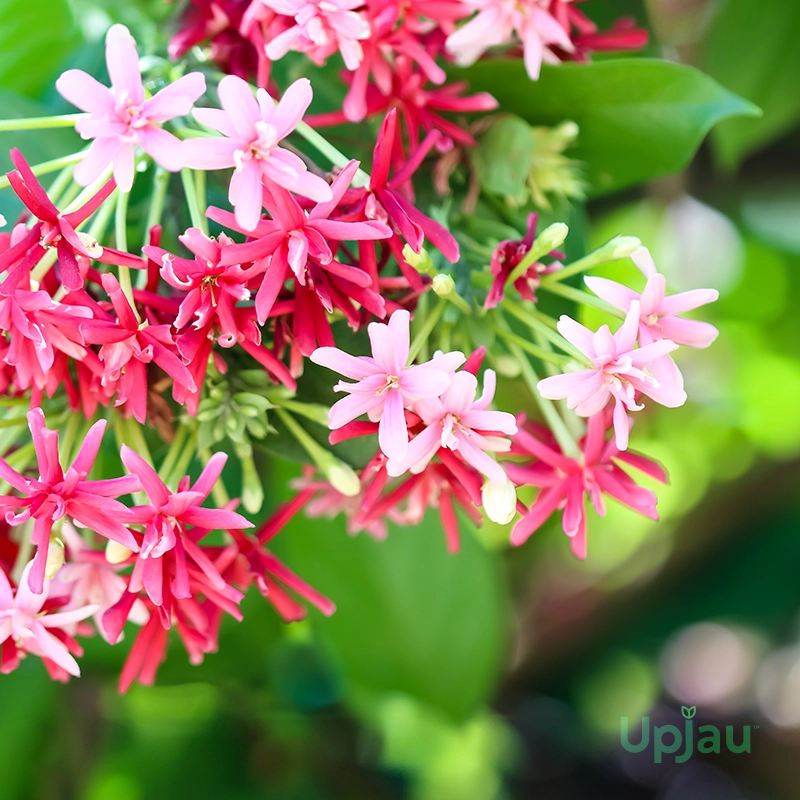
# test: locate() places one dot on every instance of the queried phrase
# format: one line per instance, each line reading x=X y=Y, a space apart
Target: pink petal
x=154 y=487
x=424 y=381
x=123 y=63
x=211 y=153
x=89 y=449
x=241 y=107
x=354 y=405
x=461 y=393
x=642 y=258
x=689 y=332
x=166 y=149
x=627 y=334
x=124 y=166
x=210 y=474
x=687 y=301
x=421 y=449
x=292 y=106
x=576 y=334
x=558 y=387
x=245 y=194
x=355 y=367
x=101 y=153
x=546 y=503
x=612 y=292
x=398 y=328
x=392 y=431
x=27 y=600
x=215 y=519
x=55 y=650
x=177 y=99
x=84 y=92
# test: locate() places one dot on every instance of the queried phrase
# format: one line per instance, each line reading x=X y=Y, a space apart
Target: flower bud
x=621 y=247
x=421 y=261
x=343 y=479
x=116 y=553
x=443 y=285
x=55 y=558
x=2 y=221
x=499 y=501
x=551 y=238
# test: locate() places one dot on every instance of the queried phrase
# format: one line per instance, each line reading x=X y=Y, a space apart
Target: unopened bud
x=421 y=261
x=443 y=285
x=2 y=221
x=621 y=247
x=116 y=553
x=507 y=366
x=91 y=244
x=343 y=479
x=55 y=558
x=551 y=237
x=499 y=501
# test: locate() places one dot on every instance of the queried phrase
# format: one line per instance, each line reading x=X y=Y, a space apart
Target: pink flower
x=283 y=245
x=566 y=482
x=385 y=386
x=22 y=621
x=120 y=117
x=168 y=543
x=93 y=581
x=496 y=23
x=459 y=422
x=128 y=347
x=658 y=312
x=618 y=372
x=91 y=504
x=252 y=130
x=321 y=28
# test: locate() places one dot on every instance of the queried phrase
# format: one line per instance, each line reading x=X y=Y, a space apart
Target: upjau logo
x=669 y=739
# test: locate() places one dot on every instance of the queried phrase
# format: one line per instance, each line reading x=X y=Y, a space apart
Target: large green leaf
x=752 y=48
x=410 y=617
x=35 y=37
x=638 y=118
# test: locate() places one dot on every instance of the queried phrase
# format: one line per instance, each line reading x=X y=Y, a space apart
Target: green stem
x=550 y=413
x=182 y=464
x=89 y=191
x=175 y=448
x=337 y=158
x=39 y=123
x=60 y=183
x=48 y=166
x=582 y=298
x=431 y=321
x=619 y=247
x=541 y=353
x=121 y=234
x=536 y=322
x=192 y=200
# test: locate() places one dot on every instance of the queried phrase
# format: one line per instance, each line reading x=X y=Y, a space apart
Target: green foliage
x=410 y=616
x=752 y=49
x=35 y=37
x=638 y=118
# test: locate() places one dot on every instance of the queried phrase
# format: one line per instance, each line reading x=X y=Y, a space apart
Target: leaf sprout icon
x=688 y=711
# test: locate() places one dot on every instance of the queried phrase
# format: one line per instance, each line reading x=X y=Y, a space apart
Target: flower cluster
x=393 y=50
x=196 y=344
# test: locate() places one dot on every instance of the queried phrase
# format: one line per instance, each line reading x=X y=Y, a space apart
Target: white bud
x=55 y=558
x=116 y=553
x=622 y=246
x=443 y=285
x=343 y=479
x=2 y=221
x=551 y=237
x=499 y=501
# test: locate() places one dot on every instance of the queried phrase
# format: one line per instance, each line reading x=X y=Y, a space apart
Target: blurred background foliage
x=498 y=674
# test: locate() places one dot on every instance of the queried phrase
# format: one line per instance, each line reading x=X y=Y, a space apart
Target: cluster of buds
x=207 y=345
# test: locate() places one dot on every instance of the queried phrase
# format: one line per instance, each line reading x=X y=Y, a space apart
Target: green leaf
x=638 y=118
x=35 y=37
x=504 y=158
x=410 y=617
x=752 y=48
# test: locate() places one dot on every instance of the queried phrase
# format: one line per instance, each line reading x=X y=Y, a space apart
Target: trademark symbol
x=756 y=727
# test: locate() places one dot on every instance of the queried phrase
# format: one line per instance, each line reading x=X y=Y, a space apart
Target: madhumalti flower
x=29 y=629
x=385 y=385
x=566 y=482
x=501 y=22
x=618 y=372
x=658 y=312
x=321 y=27
x=251 y=132
x=120 y=117
x=56 y=494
